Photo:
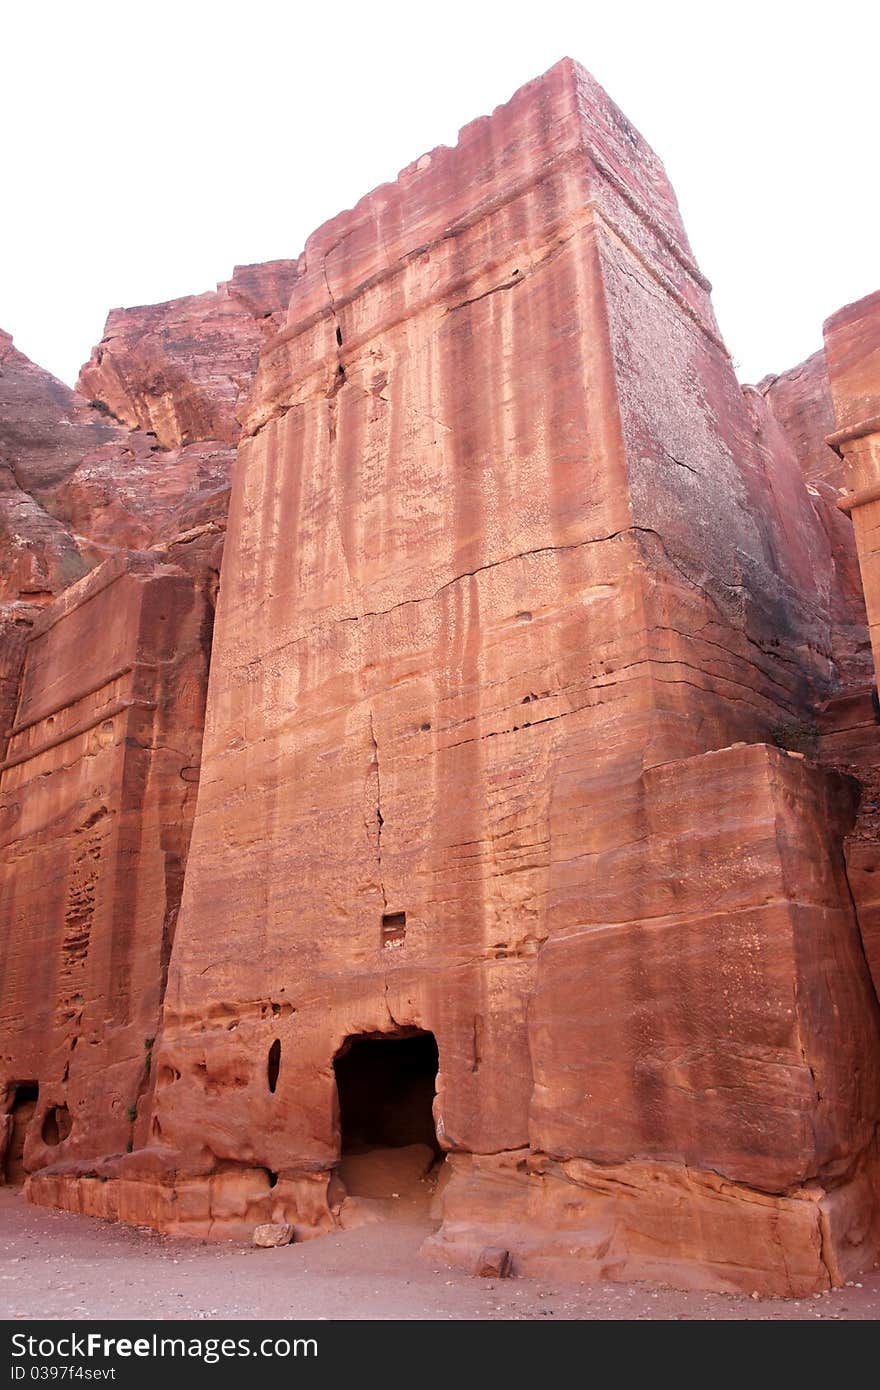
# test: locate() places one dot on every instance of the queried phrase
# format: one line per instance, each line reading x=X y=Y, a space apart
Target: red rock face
x=458 y=767
x=41 y=555
x=99 y=471
x=849 y=725
x=801 y=401
x=852 y=348
x=505 y=845
x=77 y=486
x=97 y=797
x=843 y=378
x=180 y=369
x=838 y=575
x=101 y=710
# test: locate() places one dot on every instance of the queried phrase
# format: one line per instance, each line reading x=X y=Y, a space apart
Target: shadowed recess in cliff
x=24 y=1103
x=386 y=1088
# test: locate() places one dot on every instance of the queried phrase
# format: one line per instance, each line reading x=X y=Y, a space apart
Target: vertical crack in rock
x=339 y=379
x=380 y=820
x=391 y=1017
x=477 y=1043
x=336 y=385
x=826 y=1248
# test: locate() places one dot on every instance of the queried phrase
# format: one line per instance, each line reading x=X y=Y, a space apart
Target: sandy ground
x=54 y=1265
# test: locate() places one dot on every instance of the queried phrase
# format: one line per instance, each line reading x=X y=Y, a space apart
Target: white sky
x=149 y=147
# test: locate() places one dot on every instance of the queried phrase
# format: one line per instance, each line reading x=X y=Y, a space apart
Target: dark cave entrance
x=386 y=1085
x=24 y=1103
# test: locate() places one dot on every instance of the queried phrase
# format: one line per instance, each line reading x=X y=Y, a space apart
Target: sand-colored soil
x=54 y=1265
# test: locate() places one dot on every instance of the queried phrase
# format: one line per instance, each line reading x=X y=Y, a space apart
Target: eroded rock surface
x=98 y=794
x=181 y=369
x=111 y=546
x=828 y=407
x=506 y=849
x=801 y=401
x=852 y=349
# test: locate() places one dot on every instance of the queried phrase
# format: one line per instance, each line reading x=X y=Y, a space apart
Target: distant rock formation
x=181 y=369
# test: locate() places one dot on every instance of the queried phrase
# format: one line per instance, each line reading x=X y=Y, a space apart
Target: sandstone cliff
x=824 y=406
x=505 y=841
x=111 y=545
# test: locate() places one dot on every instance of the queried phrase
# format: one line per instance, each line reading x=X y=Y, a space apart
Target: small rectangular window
x=393 y=927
